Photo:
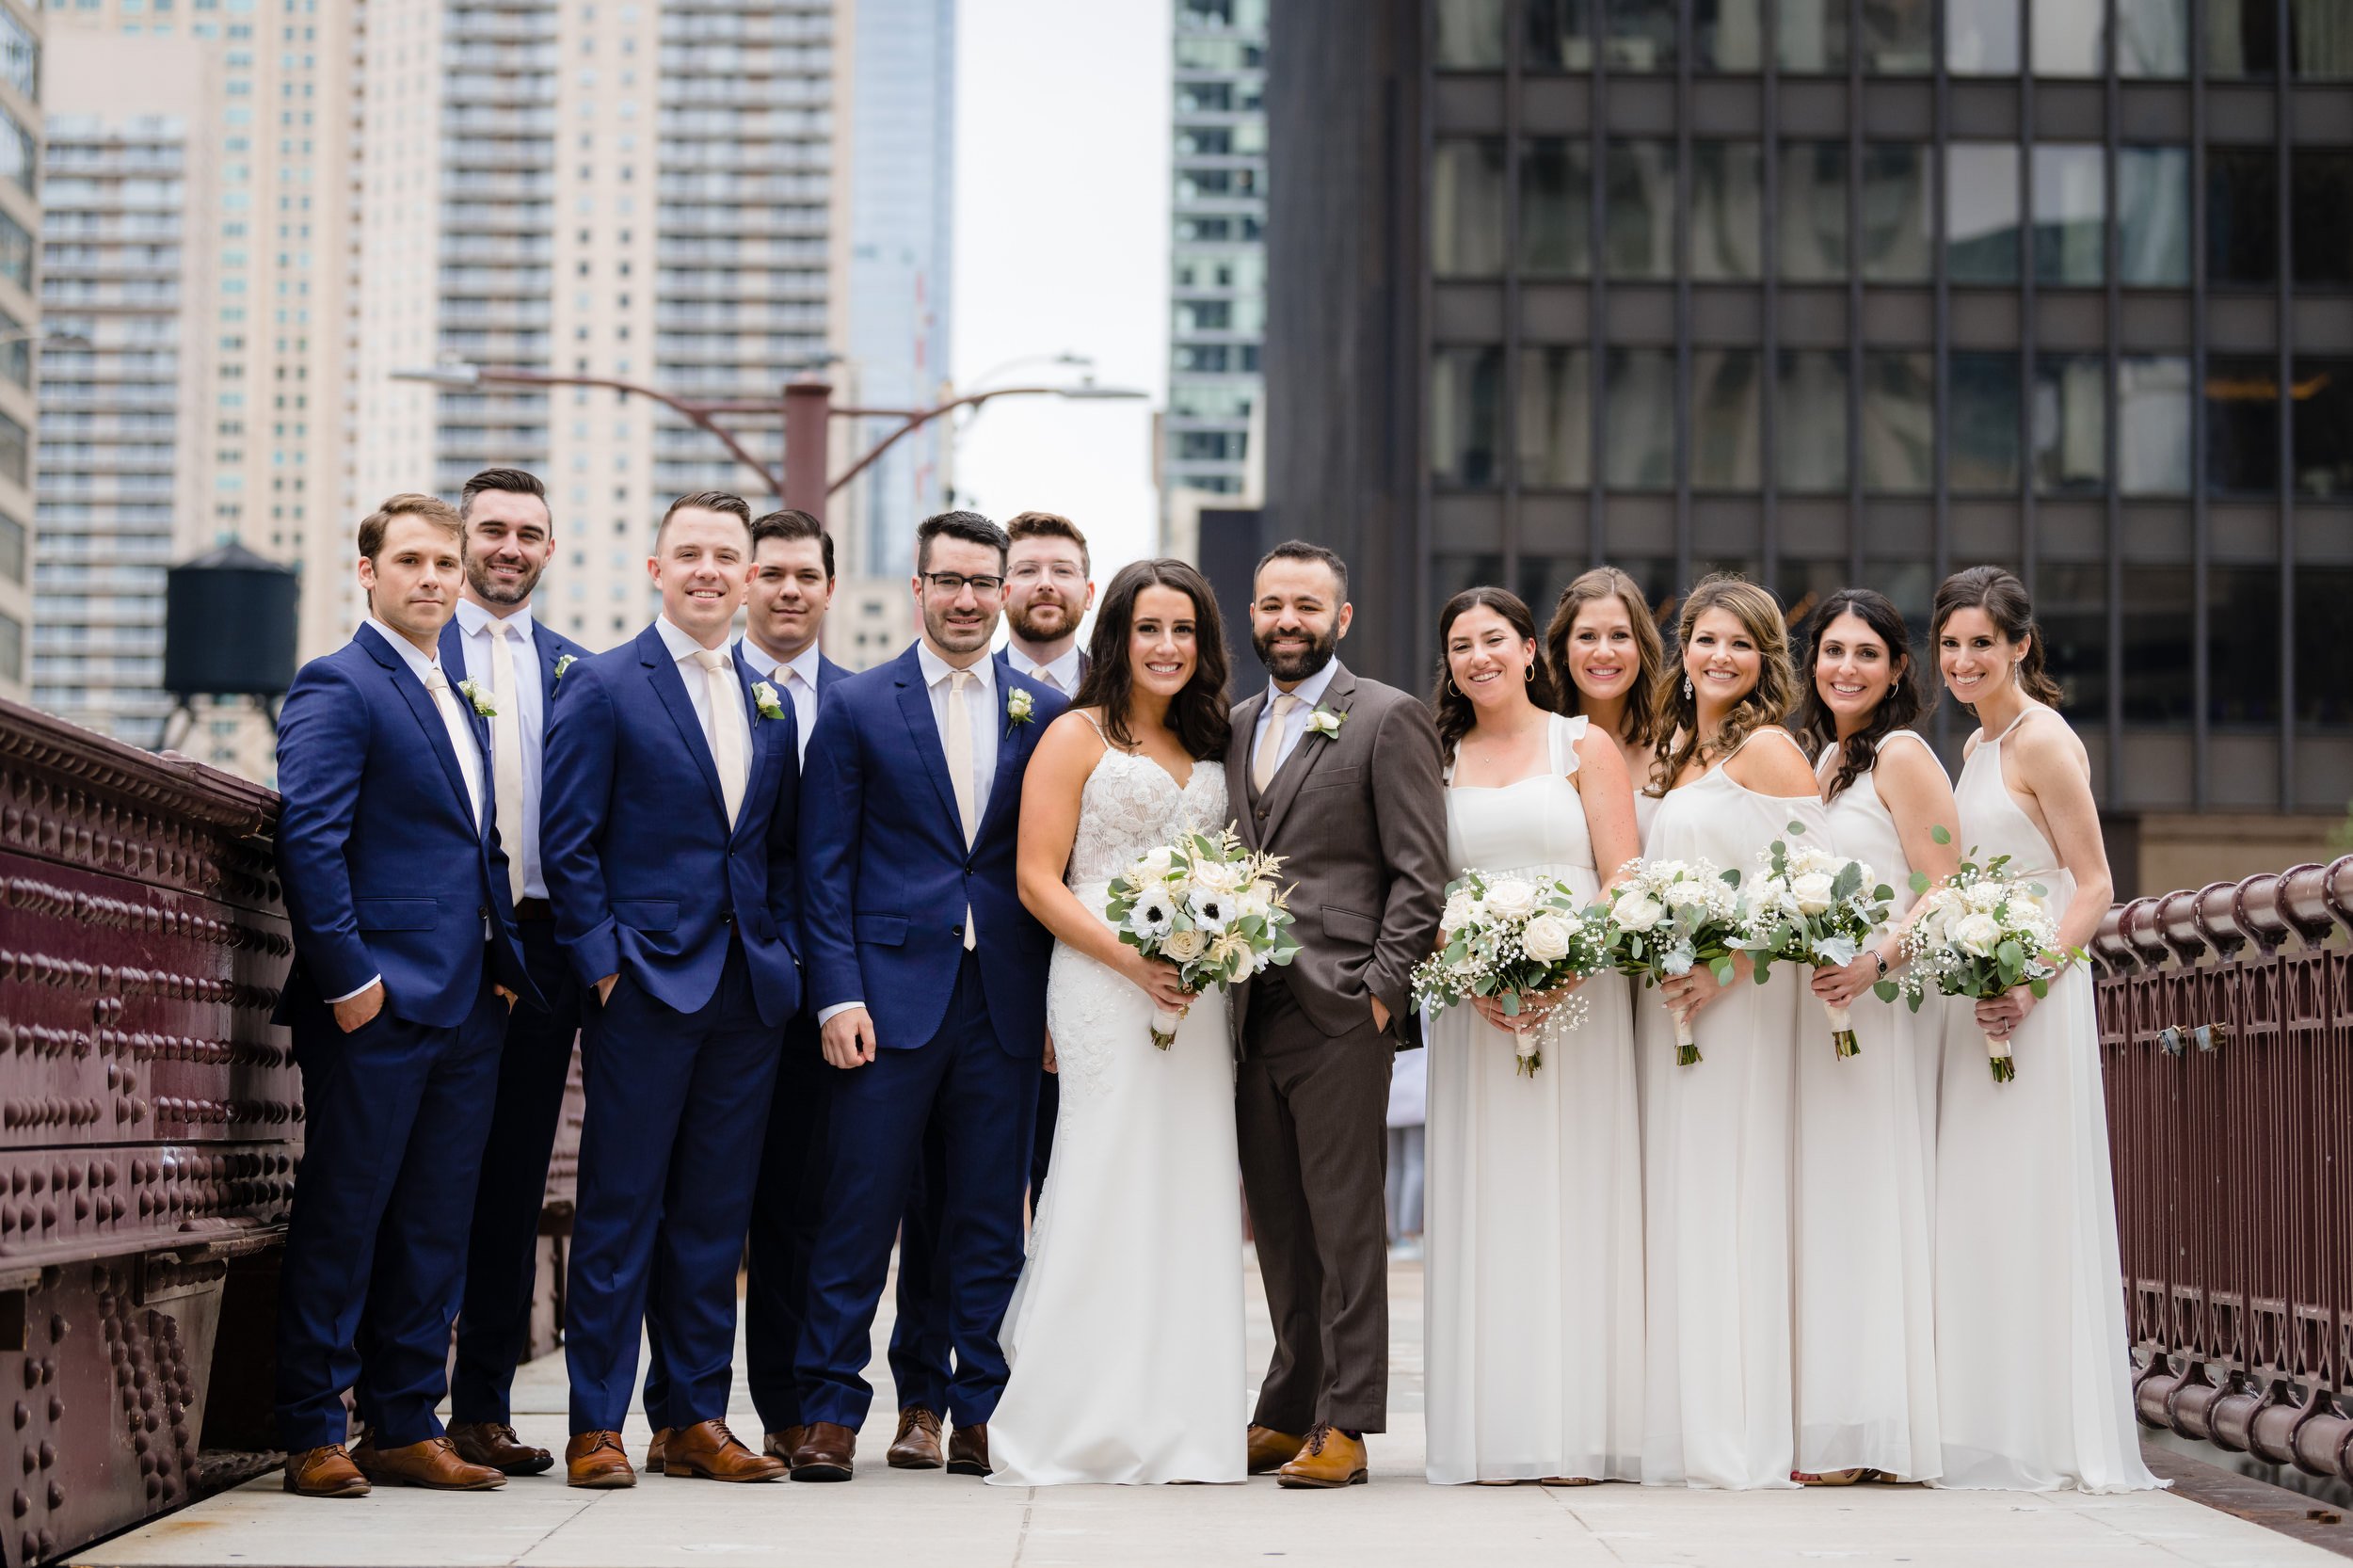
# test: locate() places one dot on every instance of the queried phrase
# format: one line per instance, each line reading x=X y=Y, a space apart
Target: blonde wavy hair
x=1676 y=716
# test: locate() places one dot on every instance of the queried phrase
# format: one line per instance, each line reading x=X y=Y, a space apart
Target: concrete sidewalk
x=946 y=1522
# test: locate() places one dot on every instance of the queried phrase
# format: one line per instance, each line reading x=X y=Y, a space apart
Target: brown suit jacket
x=1359 y=819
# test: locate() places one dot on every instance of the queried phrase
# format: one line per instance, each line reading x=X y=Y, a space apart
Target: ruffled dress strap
x=1563 y=734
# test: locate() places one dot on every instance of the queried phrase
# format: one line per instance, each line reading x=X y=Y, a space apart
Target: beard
x=492 y=592
x=1042 y=620
x=1300 y=666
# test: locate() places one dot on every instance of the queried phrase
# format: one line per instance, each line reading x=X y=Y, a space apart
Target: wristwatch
x=1880 y=959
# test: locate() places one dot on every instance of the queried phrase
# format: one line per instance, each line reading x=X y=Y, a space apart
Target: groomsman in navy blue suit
x=495 y=640
x=784 y=617
x=928 y=978
x=405 y=962
x=673 y=779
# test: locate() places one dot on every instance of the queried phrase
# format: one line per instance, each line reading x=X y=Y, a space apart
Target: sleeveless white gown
x=1716 y=1167
x=1533 y=1327
x=1864 y=1298
x=2035 y=1376
x=1125 y=1333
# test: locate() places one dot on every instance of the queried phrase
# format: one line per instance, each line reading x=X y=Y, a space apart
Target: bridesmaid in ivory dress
x=1864 y=1296
x=2034 y=1372
x=1534 y=1314
x=1606 y=656
x=1716 y=1134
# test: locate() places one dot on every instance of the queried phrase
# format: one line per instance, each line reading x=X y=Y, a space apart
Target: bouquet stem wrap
x=1164 y=1025
x=1842 y=1038
x=1998 y=1057
x=1687 y=1043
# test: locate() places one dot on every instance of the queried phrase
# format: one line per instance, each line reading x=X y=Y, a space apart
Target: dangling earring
x=1687 y=688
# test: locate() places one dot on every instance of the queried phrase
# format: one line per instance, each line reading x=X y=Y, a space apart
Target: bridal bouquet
x=1508 y=938
x=1978 y=933
x=1813 y=907
x=1667 y=917
x=1207 y=905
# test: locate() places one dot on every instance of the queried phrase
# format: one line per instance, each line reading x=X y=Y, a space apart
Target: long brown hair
x=1197 y=714
x=2003 y=598
x=1452 y=709
x=1678 y=716
x=1650 y=653
x=1817 y=728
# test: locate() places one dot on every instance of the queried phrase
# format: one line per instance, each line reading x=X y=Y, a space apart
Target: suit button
x=483 y=911
x=1262 y=813
x=955 y=931
x=726 y=920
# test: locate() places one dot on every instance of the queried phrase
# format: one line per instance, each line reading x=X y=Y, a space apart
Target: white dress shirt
x=474 y=628
x=1063 y=672
x=797 y=678
x=687 y=651
x=1309 y=692
x=988 y=719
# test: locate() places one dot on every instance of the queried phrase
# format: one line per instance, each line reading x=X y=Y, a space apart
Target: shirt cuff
x=335 y=1001
x=825 y=1012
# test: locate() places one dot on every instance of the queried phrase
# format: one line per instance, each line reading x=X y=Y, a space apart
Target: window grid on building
x=1217 y=258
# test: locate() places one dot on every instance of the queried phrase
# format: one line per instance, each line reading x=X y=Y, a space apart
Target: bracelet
x=1880 y=959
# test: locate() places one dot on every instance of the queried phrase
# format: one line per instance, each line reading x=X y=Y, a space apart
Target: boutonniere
x=1019 y=705
x=480 y=698
x=1326 y=722
x=564 y=662
x=764 y=699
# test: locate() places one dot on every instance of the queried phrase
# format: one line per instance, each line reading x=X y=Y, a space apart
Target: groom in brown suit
x=1339 y=776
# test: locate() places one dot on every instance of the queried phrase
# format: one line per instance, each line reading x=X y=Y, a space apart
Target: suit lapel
x=550 y=652
x=662 y=673
x=1238 y=748
x=1284 y=787
x=914 y=705
x=1012 y=747
x=429 y=716
x=763 y=752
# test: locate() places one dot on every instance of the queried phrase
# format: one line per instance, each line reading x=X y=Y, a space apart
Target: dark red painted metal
x=2227 y=1037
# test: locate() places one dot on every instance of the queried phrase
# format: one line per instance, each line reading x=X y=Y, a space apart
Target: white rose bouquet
x=1813 y=907
x=1207 y=905
x=1666 y=918
x=1508 y=937
x=1978 y=933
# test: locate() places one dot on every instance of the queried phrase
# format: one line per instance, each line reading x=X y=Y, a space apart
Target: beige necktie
x=506 y=753
x=1270 y=744
x=959 y=743
x=461 y=739
x=727 y=726
x=1047 y=676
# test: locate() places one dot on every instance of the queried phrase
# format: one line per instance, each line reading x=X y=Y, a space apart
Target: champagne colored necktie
x=506 y=753
x=1270 y=744
x=726 y=727
x=959 y=746
x=461 y=739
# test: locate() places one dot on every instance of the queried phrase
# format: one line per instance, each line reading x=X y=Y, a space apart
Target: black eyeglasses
x=954 y=583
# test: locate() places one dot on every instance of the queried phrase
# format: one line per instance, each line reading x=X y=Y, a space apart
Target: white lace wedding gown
x=1125 y=1333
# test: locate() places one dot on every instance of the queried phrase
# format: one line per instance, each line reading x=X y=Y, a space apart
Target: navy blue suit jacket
x=551 y=646
x=643 y=869
x=384 y=871
x=886 y=873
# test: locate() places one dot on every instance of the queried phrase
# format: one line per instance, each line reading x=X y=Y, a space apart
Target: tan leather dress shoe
x=782 y=1444
x=326 y=1472
x=1271 y=1450
x=828 y=1453
x=967 y=1451
x=494 y=1443
x=597 y=1458
x=916 y=1446
x=655 y=1449
x=1330 y=1458
x=708 y=1450
x=432 y=1463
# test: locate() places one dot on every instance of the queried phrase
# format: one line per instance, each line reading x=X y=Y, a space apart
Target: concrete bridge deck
x=946 y=1522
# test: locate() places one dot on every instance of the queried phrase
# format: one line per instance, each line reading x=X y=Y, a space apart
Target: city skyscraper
x=1891 y=288
x=20 y=324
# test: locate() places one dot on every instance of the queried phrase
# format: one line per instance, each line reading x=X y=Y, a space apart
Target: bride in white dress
x=1124 y=1335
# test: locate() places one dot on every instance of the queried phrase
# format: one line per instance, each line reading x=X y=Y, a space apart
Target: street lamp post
x=807 y=409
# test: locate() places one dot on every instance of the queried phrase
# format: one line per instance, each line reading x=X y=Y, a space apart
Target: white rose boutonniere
x=1019 y=705
x=1326 y=722
x=764 y=699
x=564 y=662
x=480 y=698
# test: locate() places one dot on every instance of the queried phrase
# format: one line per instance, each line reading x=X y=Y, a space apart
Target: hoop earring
x=1450 y=685
x=1527 y=676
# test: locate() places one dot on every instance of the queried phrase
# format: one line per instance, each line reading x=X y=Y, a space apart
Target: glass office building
x=1839 y=291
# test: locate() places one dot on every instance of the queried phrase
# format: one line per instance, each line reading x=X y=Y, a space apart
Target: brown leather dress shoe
x=597 y=1458
x=967 y=1451
x=1330 y=1458
x=828 y=1453
x=494 y=1443
x=1271 y=1450
x=655 y=1449
x=708 y=1450
x=782 y=1444
x=326 y=1472
x=916 y=1446
x=432 y=1463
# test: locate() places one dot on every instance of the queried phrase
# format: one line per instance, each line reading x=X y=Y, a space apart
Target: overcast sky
x=1062 y=245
